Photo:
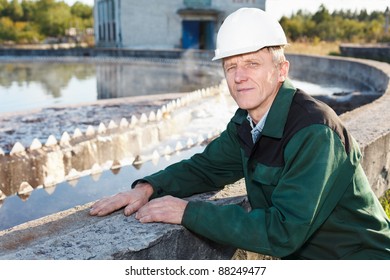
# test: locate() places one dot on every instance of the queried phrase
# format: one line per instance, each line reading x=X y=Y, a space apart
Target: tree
x=3 y=7
x=54 y=19
x=7 y=29
x=24 y=21
x=294 y=28
x=322 y=15
x=15 y=10
x=81 y=10
x=28 y=10
x=339 y=26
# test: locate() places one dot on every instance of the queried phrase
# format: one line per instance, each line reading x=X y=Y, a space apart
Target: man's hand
x=132 y=200
x=167 y=209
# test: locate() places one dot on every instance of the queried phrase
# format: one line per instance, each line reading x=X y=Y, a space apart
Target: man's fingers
x=150 y=213
x=108 y=205
x=133 y=207
x=166 y=209
x=131 y=200
x=102 y=209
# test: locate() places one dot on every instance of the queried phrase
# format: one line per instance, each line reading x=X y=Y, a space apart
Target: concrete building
x=162 y=24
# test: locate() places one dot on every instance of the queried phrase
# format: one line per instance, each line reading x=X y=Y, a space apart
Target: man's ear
x=283 y=71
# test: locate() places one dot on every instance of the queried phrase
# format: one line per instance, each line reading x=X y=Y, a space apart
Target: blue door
x=198 y=34
x=191 y=31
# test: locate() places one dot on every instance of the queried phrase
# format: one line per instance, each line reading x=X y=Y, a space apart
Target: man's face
x=254 y=80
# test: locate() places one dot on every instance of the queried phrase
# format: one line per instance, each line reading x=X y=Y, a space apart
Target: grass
x=385 y=201
x=316 y=48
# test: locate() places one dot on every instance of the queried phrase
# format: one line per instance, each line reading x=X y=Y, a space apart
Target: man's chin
x=244 y=107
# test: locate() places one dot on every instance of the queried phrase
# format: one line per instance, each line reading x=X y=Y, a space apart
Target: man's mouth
x=243 y=90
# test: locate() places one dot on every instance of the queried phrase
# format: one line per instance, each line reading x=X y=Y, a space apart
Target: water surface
x=38 y=84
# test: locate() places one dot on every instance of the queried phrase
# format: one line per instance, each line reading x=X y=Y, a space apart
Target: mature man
x=309 y=195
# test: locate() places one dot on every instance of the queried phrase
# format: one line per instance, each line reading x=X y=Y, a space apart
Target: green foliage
x=7 y=29
x=385 y=201
x=338 y=26
x=81 y=10
x=31 y=21
x=54 y=19
x=16 y=10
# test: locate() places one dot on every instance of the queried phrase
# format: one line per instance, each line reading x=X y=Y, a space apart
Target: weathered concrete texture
x=73 y=234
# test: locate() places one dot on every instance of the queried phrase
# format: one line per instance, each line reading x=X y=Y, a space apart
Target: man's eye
x=230 y=68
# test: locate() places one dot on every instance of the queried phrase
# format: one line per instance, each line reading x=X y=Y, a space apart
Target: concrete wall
x=150 y=24
x=379 y=52
x=75 y=235
x=156 y=24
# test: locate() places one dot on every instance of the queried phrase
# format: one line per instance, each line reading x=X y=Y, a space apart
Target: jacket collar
x=277 y=116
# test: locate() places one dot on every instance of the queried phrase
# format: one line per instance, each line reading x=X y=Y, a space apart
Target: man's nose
x=240 y=75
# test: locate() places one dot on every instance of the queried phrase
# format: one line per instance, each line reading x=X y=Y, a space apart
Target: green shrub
x=385 y=201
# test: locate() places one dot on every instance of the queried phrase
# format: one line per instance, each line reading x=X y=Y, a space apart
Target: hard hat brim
x=221 y=55
x=225 y=54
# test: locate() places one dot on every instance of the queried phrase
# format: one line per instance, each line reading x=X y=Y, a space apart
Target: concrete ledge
x=75 y=235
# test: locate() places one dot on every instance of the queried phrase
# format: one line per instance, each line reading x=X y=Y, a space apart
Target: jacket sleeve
x=316 y=174
x=219 y=164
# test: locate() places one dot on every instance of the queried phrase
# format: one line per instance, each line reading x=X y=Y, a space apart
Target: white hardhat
x=248 y=30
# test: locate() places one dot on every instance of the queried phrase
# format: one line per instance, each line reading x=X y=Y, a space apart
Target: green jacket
x=309 y=195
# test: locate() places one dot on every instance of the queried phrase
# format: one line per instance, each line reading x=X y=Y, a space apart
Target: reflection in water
x=37 y=84
x=52 y=76
x=16 y=209
x=132 y=79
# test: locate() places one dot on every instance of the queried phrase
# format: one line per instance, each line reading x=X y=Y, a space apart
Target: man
x=309 y=195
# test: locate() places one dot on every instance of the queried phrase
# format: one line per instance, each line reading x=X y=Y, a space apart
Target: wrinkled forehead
x=260 y=55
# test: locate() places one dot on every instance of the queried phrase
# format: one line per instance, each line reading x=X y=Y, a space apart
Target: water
x=38 y=84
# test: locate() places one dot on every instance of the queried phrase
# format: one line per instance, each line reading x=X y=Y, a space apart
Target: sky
x=285 y=7
x=71 y=2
